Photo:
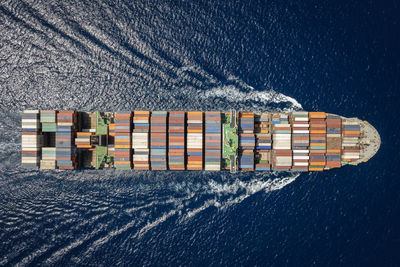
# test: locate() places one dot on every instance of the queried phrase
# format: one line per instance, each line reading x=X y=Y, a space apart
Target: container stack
x=350 y=142
x=213 y=141
x=263 y=160
x=246 y=160
x=194 y=140
x=263 y=136
x=67 y=118
x=263 y=142
x=247 y=141
x=111 y=129
x=282 y=138
x=246 y=122
x=65 y=150
x=82 y=140
x=333 y=141
x=158 y=140
x=301 y=140
x=122 y=140
x=176 y=140
x=282 y=132
x=48 y=120
x=300 y=159
x=317 y=141
x=282 y=159
x=261 y=123
x=140 y=140
x=246 y=151
x=31 y=139
x=48 y=161
x=301 y=132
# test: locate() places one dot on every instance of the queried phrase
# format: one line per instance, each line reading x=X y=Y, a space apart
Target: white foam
x=234 y=94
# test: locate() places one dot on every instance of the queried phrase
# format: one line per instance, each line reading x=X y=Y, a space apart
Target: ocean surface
x=336 y=56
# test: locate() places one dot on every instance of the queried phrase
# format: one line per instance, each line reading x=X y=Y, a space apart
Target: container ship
x=194 y=140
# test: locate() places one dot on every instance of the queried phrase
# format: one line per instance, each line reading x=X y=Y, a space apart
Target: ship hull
x=195 y=140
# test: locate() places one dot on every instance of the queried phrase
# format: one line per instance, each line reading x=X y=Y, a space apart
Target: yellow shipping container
x=317 y=163
x=315 y=169
x=83 y=134
x=122 y=162
x=194 y=131
x=145 y=112
x=122 y=146
x=317 y=115
x=317 y=131
x=333 y=150
x=83 y=146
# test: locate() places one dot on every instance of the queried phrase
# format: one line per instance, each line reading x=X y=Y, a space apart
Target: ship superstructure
x=195 y=140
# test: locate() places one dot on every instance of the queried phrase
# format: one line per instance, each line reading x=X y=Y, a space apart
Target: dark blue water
x=340 y=57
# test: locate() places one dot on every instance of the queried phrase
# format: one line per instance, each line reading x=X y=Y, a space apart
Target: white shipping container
x=263 y=144
x=141 y=165
x=48 y=120
x=194 y=140
x=30 y=142
x=281 y=142
x=351 y=123
x=31 y=126
x=30 y=159
x=281 y=164
x=140 y=157
x=24 y=146
x=350 y=140
x=28 y=121
x=142 y=150
x=194 y=134
x=138 y=135
x=48 y=157
x=194 y=121
x=31 y=111
x=52 y=149
x=281 y=125
x=30 y=137
x=282 y=136
x=195 y=146
x=333 y=135
x=212 y=167
x=350 y=157
x=31 y=149
x=301 y=157
x=281 y=147
x=301 y=125
x=300 y=163
x=301 y=131
x=137 y=146
x=349 y=145
x=300 y=113
x=300 y=119
x=351 y=154
x=301 y=151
